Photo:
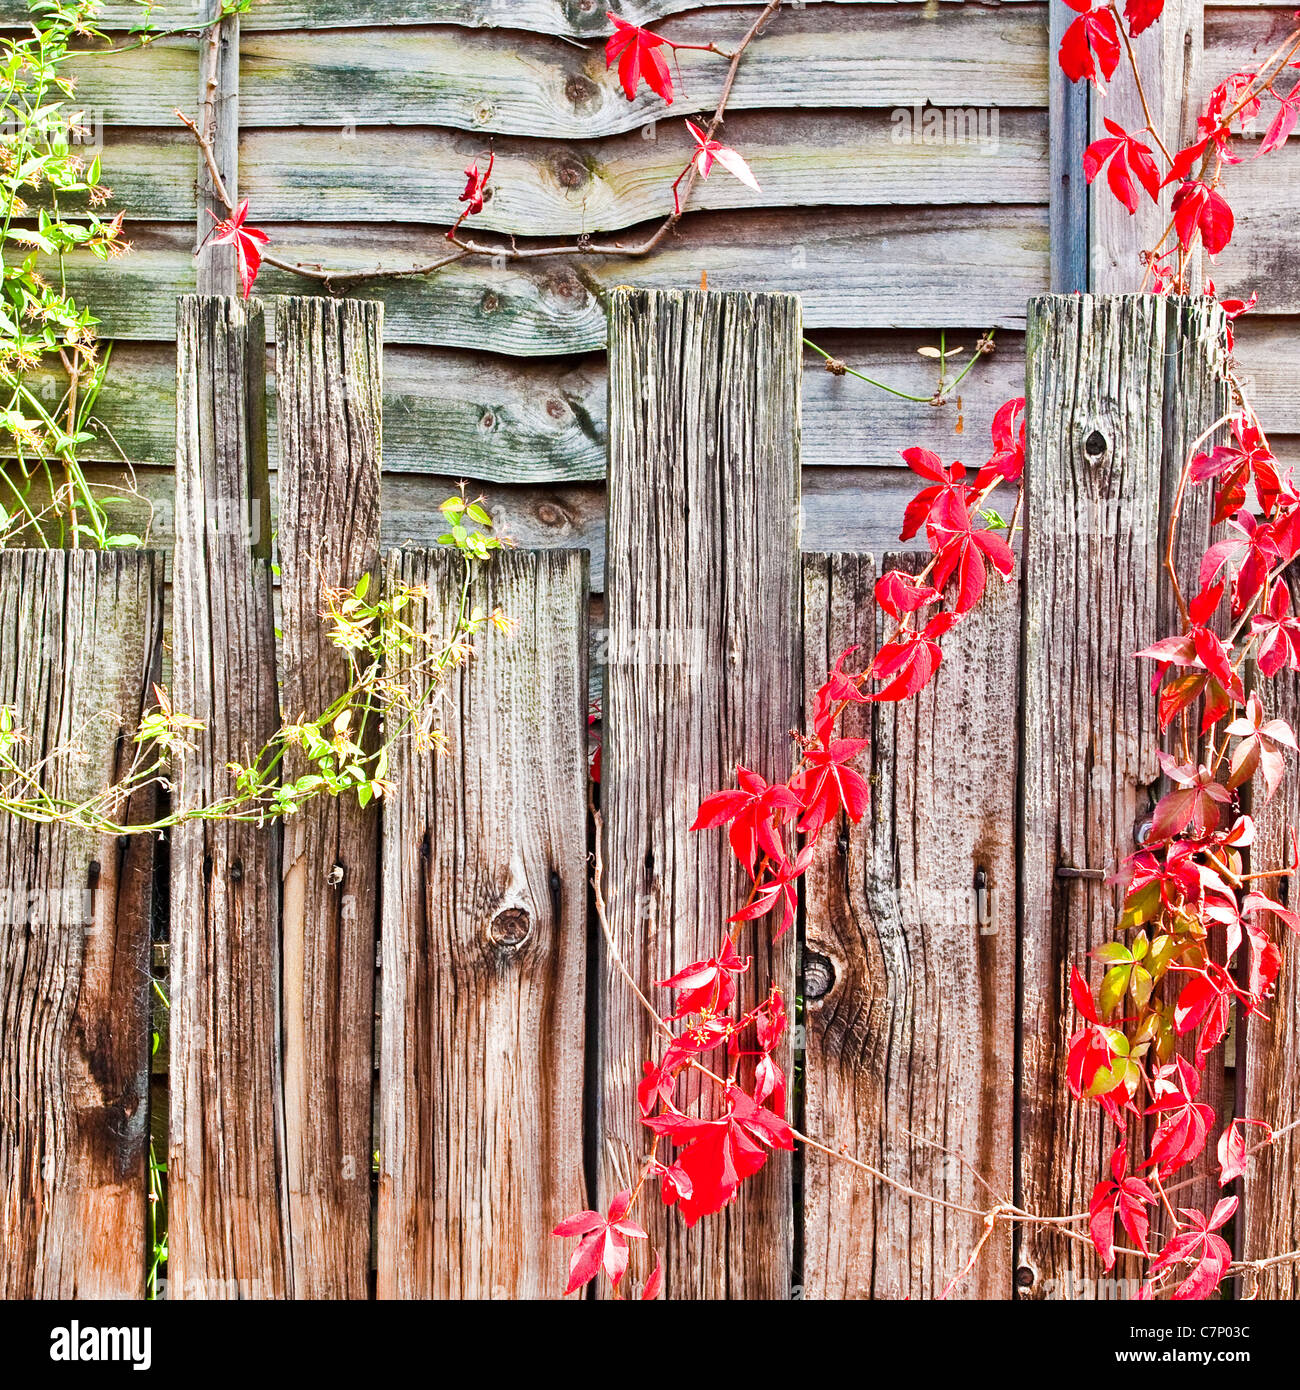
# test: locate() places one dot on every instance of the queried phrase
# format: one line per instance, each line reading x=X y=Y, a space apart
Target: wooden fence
x=935 y=937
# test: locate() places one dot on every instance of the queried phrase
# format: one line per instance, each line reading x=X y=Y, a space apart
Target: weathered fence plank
x=228 y=1218
x=702 y=586
x=329 y=386
x=871 y=268
x=1116 y=387
x=1168 y=61
x=514 y=83
x=909 y=967
x=80 y=643
x=484 y=946
x=1270 y=1086
x=218 y=119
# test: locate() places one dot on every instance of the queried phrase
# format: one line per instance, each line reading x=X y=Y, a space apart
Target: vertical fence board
x=1169 y=61
x=218 y=119
x=1270 y=1088
x=909 y=1000
x=484 y=947
x=228 y=1223
x=702 y=587
x=80 y=644
x=328 y=385
x=1117 y=386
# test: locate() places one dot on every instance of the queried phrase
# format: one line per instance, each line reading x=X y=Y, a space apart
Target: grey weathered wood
x=515 y=83
x=702 y=601
x=552 y=189
x=909 y=998
x=1068 y=136
x=1270 y=1086
x=484 y=947
x=517 y=423
x=218 y=118
x=1168 y=59
x=80 y=640
x=509 y=82
x=540 y=16
x=1103 y=409
x=227 y=1200
x=855 y=268
x=329 y=380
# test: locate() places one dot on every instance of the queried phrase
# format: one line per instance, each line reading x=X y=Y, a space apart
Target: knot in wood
x=510 y=927
x=581 y=91
x=1095 y=445
x=556 y=408
x=570 y=172
x=490 y=303
x=818 y=976
x=549 y=514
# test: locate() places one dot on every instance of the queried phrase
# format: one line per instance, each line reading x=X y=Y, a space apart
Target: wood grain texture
x=583 y=19
x=1270 y=1086
x=516 y=423
x=80 y=641
x=484 y=948
x=1068 y=137
x=550 y=188
x=512 y=83
x=218 y=119
x=854 y=268
x=228 y=1211
x=515 y=83
x=1102 y=412
x=909 y=998
x=329 y=421
x=1168 y=59
x=702 y=674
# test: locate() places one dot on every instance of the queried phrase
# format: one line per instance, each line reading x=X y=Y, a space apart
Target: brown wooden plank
x=511 y=83
x=909 y=998
x=484 y=948
x=330 y=397
x=516 y=83
x=521 y=423
x=1168 y=61
x=552 y=188
x=1270 y=1087
x=704 y=392
x=218 y=120
x=855 y=268
x=80 y=641
x=228 y=1233
x=576 y=20
x=1104 y=411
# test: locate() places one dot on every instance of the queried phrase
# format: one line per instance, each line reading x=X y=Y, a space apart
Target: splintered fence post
x=328 y=403
x=909 y=977
x=1117 y=388
x=483 y=981
x=702 y=673
x=228 y=1221
x=80 y=646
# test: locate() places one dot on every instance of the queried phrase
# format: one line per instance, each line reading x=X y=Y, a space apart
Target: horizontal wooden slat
x=855 y=268
x=574 y=18
x=512 y=83
x=857 y=509
x=509 y=83
x=1268 y=352
x=508 y=421
x=544 y=188
x=1263 y=256
x=1241 y=35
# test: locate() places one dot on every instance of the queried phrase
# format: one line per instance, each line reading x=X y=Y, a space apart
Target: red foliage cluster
x=766 y=822
x=1163 y=987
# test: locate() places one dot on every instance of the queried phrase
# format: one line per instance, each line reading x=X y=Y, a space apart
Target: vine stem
x=509 y=249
